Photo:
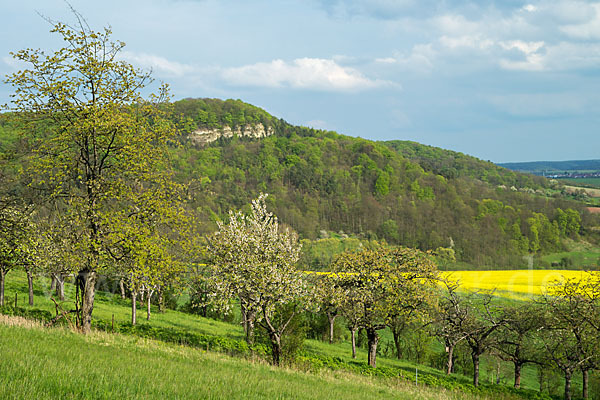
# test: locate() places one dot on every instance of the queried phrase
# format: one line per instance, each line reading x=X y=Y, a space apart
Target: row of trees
x=252 y=261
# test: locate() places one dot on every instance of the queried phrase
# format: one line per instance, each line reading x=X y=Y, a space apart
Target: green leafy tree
x=518 y=341
x=382 y=284
x=102 y=145
x=18 y=246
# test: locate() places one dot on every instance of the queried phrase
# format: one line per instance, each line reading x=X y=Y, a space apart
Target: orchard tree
x=481 y=327
x=381 y=284
x=18 y=246
x=327 y=295
x=97 y=144
x=571 y=337
x=253 y=260
x=58 y=257
x=518 y=338
x=453 y=313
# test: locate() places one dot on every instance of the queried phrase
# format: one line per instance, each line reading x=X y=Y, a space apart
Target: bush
x=183 y=337
x=30 y=313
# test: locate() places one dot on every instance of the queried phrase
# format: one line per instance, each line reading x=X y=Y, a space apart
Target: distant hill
x=399 y=192
x=554 y=167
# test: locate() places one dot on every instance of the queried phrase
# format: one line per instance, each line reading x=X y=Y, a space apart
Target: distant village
x=569 y=175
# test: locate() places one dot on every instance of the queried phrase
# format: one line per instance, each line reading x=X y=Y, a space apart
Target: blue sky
x=501 y=80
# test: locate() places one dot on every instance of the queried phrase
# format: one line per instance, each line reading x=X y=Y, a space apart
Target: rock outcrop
x=206 y=135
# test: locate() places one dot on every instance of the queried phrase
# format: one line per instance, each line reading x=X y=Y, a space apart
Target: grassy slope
x=107 y=305
x=48 y=364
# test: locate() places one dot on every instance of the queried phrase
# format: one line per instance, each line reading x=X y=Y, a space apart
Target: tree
x=101 y=145
x=17 y=243
x=452 y=316
x=327 y=296
x=58 y=257
x=253 y=260
x=383 y=283
x=480 y=327
x=518 y=337
x=570 y=335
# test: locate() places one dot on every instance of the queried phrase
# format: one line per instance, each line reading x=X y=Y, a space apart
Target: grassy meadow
x=56 y=363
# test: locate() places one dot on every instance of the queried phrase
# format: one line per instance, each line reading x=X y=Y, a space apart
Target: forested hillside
x=401 y=192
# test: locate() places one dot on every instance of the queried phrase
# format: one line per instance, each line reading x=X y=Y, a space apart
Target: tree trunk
x=331 y=317
x=149 y=297
x=244 y=318
x=2 y=278
x=53 y=283
x=353 y=333
x=87 y=281
x=122 y=287
x=517 y=375
x=373 y=340
x=568 y=377
x=275 y=347
x=450 y=351
x=30 y=285
x=585 y=376
x=133 y=307
x=475 y=357
x=60 y=287
x=161 y=307
x=249 y=324
x=396 y=335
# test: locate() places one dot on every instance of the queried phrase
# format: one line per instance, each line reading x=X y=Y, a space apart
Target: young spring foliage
x=98 y=145
x=380 y=285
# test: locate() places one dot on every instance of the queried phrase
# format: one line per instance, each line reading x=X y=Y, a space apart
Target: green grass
x=171 y=323
x=55 y=363
x=584 y=182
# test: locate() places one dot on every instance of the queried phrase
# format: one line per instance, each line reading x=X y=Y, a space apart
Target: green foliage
x=29 y=313
x=323 y=181
x=185 y=337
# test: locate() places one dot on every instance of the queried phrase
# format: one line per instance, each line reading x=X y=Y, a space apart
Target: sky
x=501 y=80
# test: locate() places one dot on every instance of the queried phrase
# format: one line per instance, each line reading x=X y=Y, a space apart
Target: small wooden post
x=16 y=294
x=113 y=323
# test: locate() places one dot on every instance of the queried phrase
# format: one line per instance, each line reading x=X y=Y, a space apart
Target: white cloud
x=386 y=60
x=533 y=61
x=589 y=29
x=420 y=59
x=302 y=73
x=529 y=8
x=469 y=41
x=524 y=47
x=157 y=63
x=456 y=25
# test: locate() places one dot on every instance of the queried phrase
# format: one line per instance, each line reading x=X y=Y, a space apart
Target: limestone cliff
x=207 y=135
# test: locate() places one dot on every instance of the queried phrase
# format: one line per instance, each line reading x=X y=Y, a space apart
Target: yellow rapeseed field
x=512 y=283
x=516 y=284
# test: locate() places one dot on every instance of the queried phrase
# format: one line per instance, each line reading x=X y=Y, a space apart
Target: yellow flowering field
x=512 y=283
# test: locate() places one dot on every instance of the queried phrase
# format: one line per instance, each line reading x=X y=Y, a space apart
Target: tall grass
x=41 y=363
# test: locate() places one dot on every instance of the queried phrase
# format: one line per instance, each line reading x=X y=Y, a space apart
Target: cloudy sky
x=502 y=80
